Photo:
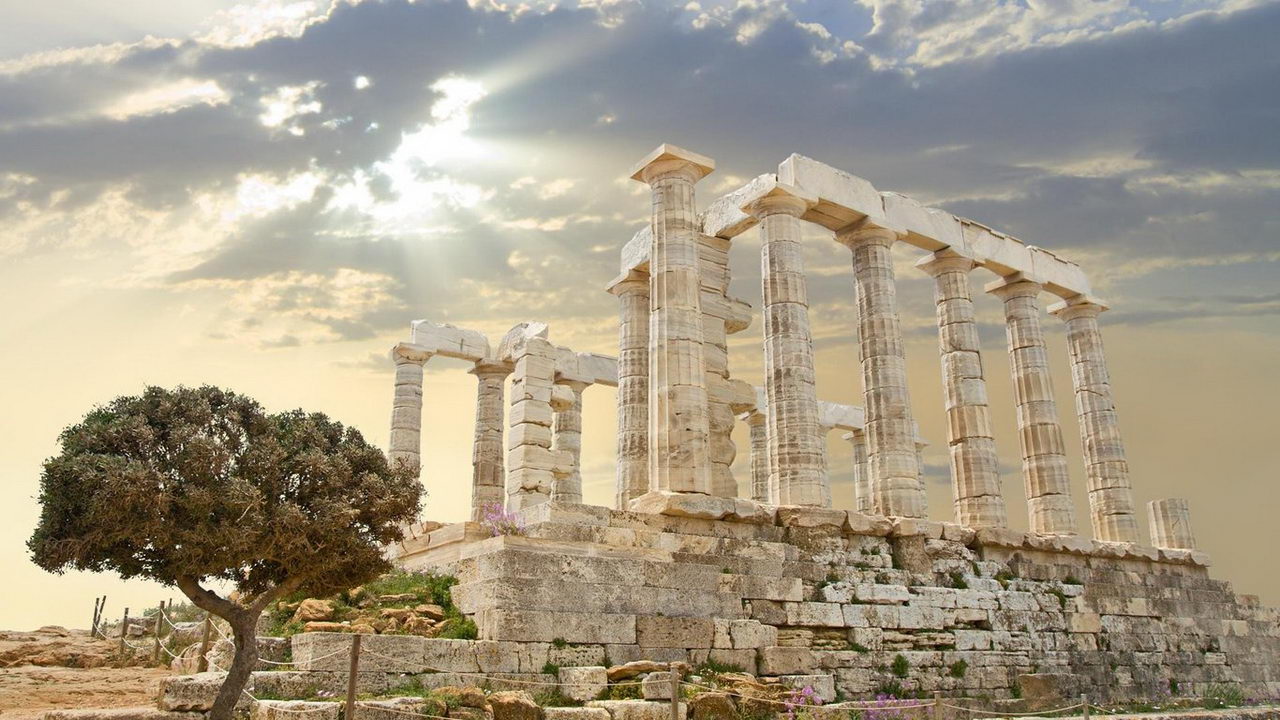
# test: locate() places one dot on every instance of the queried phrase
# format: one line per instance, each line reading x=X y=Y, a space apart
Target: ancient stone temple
x=773 y=579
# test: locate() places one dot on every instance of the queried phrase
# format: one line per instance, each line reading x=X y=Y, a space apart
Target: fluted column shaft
x=975 y=467
x=1171 y=524
x=797 y=445
x=633 y=388
x=1111 y=507
x=1044 y=459
x=896 y=488
x=861 y=473
x=760 y=486
x=567 y=437
x=406 y=406
x=487 y=472
x=678 y=416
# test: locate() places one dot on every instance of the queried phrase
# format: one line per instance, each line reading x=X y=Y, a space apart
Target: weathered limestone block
x=380 y=653
x=751 y=634
x=294 y=710
x=817 y=614
x=190 y=692
x=674 y=632
x=823 y=685
x=713 y=706
x=639 y=709
x=539 y=626
x=583 y=683
x=784 y=660
x=399 y=708
x=575 y=713
x=514 y=705
x=656 y=686
x=440 y=654
x=123 y=713
x=576 y=655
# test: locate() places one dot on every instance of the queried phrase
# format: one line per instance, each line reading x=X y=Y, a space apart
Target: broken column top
x=674 y=157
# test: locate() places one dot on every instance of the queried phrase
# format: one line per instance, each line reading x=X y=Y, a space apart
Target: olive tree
x=200 y=488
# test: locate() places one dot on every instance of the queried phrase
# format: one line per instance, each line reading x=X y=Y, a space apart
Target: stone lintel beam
x=450 y=341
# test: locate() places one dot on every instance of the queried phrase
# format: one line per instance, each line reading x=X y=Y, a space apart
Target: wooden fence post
x=97 y=613
x=352 y=669
x=124 y=628
x=1084 y=701
x=155 y=651
x=202 y=663
x=937 y=705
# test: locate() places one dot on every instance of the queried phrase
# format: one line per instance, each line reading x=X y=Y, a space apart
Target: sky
x=263 y=196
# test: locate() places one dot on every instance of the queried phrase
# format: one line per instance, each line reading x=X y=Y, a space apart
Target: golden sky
x=265 y=198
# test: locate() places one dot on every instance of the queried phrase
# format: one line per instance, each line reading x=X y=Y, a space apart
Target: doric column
x=760 y=487
x=861 y=473
x=797 y=446
x=975 y=467
x=532 y=464
x=632 y=290
x=1111 y=507
x=487 y=471
x=566 y=436
x=1044 y=459
x=679 y=434
x=406 y=405
x=896 y=488
x=1171 y=524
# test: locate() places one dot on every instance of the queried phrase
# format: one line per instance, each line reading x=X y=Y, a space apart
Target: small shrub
x=1062 y=597
x=1173 y=686
x=500 y=521
x=957 y=580
x=458 y=626
x=858 y=647
x=900 y=666
x=560 y=643
x=1004 y=576
x=1222 y=695
x=627 y=691
x=550 y=668
x=1016 y=691
x=891 y=689
x=958 y=669
x=1072 y=580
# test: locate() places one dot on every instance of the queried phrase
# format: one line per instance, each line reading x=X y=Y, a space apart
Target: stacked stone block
x=812 y=591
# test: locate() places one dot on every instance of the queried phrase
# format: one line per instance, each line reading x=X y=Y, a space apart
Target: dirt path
x=54 y=668
x=27 y=691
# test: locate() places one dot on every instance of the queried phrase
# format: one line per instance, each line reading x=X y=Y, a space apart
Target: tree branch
x=207 y=599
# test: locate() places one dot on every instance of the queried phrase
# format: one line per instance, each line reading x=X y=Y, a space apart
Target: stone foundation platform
x=873 y=602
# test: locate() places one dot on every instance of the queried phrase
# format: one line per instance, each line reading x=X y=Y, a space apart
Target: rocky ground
x=54 y=668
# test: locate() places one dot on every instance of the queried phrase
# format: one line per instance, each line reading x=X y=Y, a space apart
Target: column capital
x=576 y=385
x=864 y=232
x=491 y=368
x=778 y=198
x=945 y=260
x=667 y=159
x=1015 y=285
x=629 y=283
x=1078 y=306
x=410 y=353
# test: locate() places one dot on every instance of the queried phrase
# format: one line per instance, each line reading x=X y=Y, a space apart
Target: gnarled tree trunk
x=244 y=626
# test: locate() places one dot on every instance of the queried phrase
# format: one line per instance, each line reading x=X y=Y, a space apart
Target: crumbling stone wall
x=875 y=603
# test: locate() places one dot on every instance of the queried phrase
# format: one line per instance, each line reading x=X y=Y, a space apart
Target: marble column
x=1044 y=459
x=406 y=406
x=566 y=436
x=896 y=488
x=487 y=471
x=679 y=435
x=861 y=473
x=1171 y=524
x=975 y=467
x=632 y=290
x=797 y=445
x=760 y=488
x=531 y=463
x=1111 y=507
